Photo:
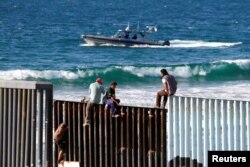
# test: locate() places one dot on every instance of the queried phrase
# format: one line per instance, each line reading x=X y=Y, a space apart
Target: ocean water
x=209 y=52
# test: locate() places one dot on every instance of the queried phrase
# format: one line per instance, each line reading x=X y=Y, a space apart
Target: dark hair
x=113 y=83
x=164 y=72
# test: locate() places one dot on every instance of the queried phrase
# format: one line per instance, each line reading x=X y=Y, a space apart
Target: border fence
x=25 y=119
x=178 y=136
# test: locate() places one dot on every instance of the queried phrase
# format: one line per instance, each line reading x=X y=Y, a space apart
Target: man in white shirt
x=97 y=92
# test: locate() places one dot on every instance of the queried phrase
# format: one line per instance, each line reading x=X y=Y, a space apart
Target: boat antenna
x=138 y=26
x=127 y=28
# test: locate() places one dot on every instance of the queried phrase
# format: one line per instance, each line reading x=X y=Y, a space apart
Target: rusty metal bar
x=112 y=139
x=40 y=128
x=163 y=138
x=107 y=137
x=139 y=137
x=129 y=136
x=69 y=122
x=157 y=137
x=151 y=153
x=101 y=137
x=145 y=135
x=87 y=154
x=134 y=134
x=80 y=134
x=56 y=123
x=117 y=140
x=96 y=136
x=14 y=128
x=123 y=138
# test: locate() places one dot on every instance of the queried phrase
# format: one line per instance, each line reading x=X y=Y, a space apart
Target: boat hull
x=100 y=40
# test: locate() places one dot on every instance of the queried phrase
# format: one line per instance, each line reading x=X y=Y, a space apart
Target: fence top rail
x=204 y=98
x=15 y=84
x=124 y=106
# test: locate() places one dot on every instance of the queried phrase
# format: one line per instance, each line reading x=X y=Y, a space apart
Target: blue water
x=209 y=52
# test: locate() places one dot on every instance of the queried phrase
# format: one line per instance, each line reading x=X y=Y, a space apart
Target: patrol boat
x=126 y=37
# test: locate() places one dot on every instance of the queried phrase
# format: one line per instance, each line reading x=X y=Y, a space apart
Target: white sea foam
x=180 y=44
x=198 y=44
x=145 y=96
x=242 y=63
x=46 y=74
x=183 y=71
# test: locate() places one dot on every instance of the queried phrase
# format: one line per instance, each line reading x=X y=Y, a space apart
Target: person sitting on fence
x=169 y=88
x=97 y=91
x=112 y=102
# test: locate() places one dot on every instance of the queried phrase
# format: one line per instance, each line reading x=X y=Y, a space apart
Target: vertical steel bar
x=236 y=126
x=199 y=130
x=157 y=135
x=1 y=124
x=224 y=125
x=23 y=131
x=19 y=123
x=96 y=136
x=170 y=144
x=28 y=129
x=10 y=125
x=56 y=123
x=134 y=134
x=107 y=137
x=145 y=136
x=5 y=127
x=230 y=125
x=101 y=137
x=187 y=128
x=40 y=128
x=112 y=139
x=117 y=140
x=33 y=129
x=129 y=136
x=206 y=130
x=217 y=124
x=182 y=126
x=211 y=125
x=248 y=124
x=87 y=154
x=75 y=136
x=123 y=137
x=80 y=134
x=139 y=135
x=163 y=138
x=194 y=129
x=243 y=126
x=49 y=104
x=151 y=153
x=14 y=127
x=176 y=127
x=70 y=131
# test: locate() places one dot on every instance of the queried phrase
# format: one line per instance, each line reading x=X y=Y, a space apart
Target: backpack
x=172 y=84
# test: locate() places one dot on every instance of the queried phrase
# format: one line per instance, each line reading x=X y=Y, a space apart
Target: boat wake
x=198 y=44
x=178 y=44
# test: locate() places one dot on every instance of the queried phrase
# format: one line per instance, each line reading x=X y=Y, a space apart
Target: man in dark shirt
x=112 y=102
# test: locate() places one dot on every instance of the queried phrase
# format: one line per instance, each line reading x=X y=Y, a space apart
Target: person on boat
x=97 y=91
x=169 y=88
x=112 y=102
x=134 y=37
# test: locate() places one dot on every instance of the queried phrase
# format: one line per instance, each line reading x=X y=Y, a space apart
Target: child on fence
x=112 y=103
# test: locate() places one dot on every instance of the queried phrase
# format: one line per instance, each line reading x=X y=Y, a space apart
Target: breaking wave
x=220 y=70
